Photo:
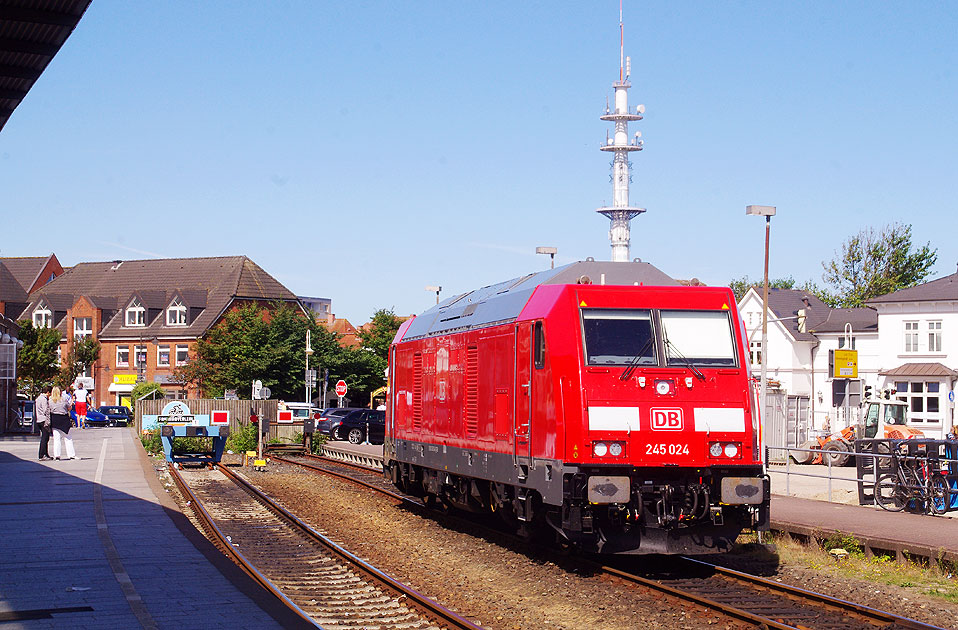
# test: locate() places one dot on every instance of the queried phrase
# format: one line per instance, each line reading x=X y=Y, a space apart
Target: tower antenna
x=621 y=44
x=621 y=212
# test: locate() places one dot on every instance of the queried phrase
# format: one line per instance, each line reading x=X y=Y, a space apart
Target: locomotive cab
x=669 y=436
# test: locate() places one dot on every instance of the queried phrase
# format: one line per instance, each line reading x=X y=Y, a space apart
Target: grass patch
x=934 y=579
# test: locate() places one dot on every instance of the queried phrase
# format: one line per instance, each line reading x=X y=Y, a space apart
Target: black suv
x=355 y=424
x=330 y=419
x=116 y=414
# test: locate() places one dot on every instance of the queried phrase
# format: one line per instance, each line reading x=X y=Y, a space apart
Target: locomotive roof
x=503 y=302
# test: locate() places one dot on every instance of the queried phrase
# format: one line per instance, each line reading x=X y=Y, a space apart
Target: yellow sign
x=124 y=379
x=846 y=364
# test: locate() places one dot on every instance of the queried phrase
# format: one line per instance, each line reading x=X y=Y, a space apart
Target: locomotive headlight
x=615 y=449
x=715 y=449
x=731 y=449
x=663 y=388
x=599 y=449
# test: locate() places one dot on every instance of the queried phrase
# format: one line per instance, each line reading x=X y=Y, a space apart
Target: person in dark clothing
x=41 y=411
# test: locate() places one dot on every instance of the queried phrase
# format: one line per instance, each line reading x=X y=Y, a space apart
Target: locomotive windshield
x=698 y=338
x=618 y=336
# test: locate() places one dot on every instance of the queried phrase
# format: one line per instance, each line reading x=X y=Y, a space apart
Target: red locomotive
x=599 y=400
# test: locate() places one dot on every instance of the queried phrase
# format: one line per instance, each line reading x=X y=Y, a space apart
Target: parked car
x=116 y=415
x=93 y=416
x=354 y=426
x=302 y=411
x=330 y=420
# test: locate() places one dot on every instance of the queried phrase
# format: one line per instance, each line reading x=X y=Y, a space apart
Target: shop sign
x=124 y=379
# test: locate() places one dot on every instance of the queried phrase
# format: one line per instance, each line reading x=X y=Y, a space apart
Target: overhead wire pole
x=768 y=212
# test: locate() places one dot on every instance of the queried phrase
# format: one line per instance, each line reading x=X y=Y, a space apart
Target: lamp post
x=309 y=381
x=437 y=290
x=768 y=212
x=552 y=255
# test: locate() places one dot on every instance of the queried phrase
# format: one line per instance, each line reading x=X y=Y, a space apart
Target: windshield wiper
x=634 y=363
x=697 y=372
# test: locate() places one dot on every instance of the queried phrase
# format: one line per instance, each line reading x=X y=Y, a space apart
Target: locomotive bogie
x=621 y=418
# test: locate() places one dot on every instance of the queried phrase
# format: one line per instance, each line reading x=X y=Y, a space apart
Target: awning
x=934 y=370
x=120 y=389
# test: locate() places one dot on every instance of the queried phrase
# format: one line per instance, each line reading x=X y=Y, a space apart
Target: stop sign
x=341 y=388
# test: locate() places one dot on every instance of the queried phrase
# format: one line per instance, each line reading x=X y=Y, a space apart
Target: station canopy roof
x=31 y=33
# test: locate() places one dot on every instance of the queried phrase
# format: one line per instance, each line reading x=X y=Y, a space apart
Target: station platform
x=96 y=542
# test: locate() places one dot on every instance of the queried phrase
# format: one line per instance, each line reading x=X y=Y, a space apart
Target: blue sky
x=363 y=150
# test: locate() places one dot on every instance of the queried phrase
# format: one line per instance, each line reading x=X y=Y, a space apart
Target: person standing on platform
x=80 y=397
x=41 y=411
x=60 y=419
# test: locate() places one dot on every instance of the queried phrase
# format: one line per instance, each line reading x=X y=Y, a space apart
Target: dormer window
x=42 y=316
x=135 y=313
x=176 y=313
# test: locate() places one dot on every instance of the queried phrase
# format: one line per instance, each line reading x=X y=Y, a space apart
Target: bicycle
x=913 y=482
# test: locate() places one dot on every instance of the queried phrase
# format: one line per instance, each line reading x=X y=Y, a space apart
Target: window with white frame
x=82 y=327
x=42 y=316
x=911 y=336
x=135 y=313
x=123 y=356
x=163 y=355
x=923 y=398
x=755 y=352
x=139 y=356
x=934 y=336
x=182 y=353
x=176 y=313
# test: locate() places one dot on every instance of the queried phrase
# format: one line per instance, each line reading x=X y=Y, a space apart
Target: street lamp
x=552 y=255
x=437 y=290
x=768 y=212
x=309 y=380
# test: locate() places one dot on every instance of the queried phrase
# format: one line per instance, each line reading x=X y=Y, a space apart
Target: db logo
x=667 y=420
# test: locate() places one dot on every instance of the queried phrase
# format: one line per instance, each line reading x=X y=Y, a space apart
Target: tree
x=83 y=354
x=874 y=263
x=741 y=286
x=143 y=389
x=379 y=334
x=255 y=343
x=37 y=361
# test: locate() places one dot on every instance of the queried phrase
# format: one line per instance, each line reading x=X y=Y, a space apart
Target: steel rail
x=868 y=615
x=433 y=610
x=220 y=541
x=842 y=605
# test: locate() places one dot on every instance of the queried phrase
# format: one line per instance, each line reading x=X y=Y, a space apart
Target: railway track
x=764 y=603
x=323 y=583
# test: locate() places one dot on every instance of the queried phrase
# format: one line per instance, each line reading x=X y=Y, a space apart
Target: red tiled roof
x=920 y=369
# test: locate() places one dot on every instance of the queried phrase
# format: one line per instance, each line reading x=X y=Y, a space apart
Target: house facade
x=907 y=346
x=918 y=353
x=802 y=330
x=147 y=315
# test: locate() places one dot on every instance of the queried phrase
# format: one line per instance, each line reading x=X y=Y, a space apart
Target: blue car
x=92 y=417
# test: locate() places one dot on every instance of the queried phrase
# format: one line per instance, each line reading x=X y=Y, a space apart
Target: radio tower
x=620 y=213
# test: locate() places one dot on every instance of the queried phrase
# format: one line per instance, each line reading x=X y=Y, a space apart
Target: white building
x=801 y=331
x=907 y=342
x=918 y=350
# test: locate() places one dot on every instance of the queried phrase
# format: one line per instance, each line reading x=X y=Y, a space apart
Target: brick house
x=147 y=314
x=21 y=276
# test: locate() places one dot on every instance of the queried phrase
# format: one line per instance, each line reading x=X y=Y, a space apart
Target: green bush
x=243 y=440
x=841 y=540
x=151 y=441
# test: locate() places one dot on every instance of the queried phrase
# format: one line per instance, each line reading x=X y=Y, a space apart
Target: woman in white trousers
x=60 y=420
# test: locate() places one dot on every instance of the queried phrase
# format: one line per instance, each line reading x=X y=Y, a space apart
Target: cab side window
x=539 y=341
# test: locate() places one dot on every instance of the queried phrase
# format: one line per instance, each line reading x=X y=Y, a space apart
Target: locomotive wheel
x=355 y=436
x=835 y=452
